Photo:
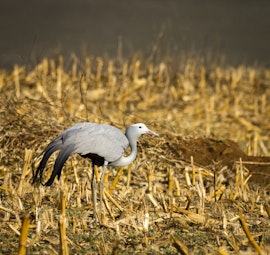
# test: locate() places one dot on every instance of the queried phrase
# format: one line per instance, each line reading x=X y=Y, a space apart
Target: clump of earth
x=208 y=151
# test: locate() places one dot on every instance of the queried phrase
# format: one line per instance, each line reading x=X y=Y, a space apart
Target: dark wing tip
x=53 y=146
x=59 y=163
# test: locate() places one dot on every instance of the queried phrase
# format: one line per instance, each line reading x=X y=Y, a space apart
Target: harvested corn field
x=201 y=187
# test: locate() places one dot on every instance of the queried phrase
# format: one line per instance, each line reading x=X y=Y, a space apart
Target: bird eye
x=140 y=126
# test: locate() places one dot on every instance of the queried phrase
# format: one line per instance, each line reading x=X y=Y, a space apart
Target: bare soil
x=210 y=151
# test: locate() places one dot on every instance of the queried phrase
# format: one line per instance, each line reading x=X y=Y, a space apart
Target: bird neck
x=124 y=161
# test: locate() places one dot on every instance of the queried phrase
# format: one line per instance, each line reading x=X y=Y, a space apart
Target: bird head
x=136 y=130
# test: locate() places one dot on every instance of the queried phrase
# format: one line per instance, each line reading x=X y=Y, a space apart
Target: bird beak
x=150 y=132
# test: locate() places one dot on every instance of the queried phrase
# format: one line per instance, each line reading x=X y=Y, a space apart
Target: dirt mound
x=208 y=151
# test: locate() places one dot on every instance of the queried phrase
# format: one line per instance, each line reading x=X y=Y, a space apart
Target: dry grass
x=161 y=204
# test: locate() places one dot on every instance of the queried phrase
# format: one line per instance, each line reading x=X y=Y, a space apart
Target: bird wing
x=104 y=140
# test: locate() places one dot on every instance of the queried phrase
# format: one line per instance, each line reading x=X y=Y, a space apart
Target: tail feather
x=59 y=163
x=53 y=146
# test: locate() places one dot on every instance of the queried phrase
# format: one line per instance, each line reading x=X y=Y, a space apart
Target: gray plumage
x=103 y=144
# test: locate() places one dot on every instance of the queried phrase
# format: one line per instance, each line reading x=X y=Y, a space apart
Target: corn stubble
x=161 y=204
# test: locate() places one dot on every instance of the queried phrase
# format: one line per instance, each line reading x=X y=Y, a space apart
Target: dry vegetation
x=190 y=191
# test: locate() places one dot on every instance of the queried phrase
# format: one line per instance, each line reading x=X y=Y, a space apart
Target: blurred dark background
x=237 y=31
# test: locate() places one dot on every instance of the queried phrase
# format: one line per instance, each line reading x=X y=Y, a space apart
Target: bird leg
x=101 y=185
x=94 y=193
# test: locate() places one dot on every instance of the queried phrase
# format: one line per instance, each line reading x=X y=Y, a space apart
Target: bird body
x=101 y=139
x=99 y=142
